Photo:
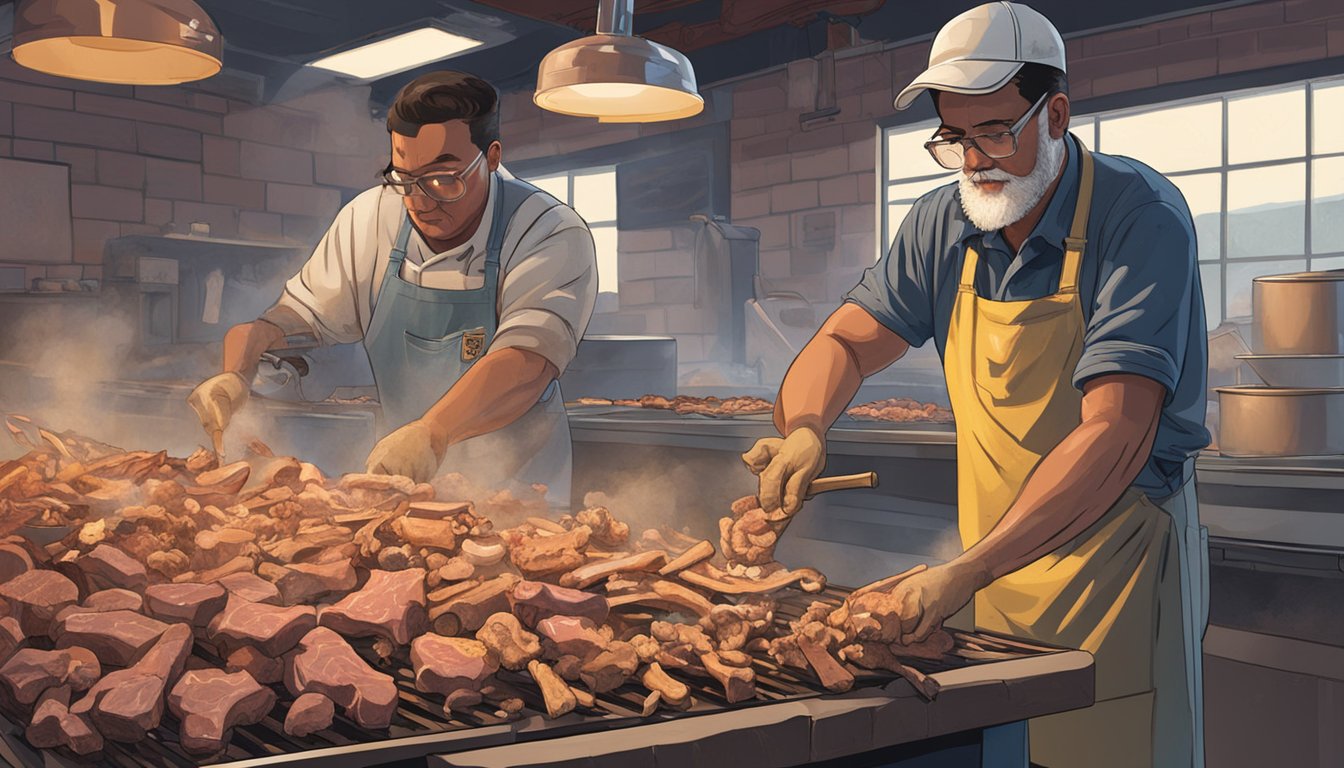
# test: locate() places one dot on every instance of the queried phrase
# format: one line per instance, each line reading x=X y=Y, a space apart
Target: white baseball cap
x=980 y=50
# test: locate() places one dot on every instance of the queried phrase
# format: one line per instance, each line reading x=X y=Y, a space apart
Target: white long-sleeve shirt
x=548 y=273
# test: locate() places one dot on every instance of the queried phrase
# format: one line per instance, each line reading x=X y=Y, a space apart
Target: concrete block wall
x=149 y=160
x=813 y=193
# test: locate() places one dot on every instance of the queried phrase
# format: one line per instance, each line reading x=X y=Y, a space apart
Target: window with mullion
x=1262 y=171
x=592 y=193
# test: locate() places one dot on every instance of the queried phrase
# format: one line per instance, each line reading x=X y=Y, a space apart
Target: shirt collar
x=1055 y=222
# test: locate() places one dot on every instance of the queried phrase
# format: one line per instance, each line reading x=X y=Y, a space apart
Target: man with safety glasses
x=1061 y=288
x=469 y=289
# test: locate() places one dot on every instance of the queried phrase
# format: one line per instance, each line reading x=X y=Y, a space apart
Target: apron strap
x=968 y=266
x=1076 y=242
x=398 y=255
x=498 y=221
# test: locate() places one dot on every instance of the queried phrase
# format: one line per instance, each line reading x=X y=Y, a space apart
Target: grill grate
x=420 y=713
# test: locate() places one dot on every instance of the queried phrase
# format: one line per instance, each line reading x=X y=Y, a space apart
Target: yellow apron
x=1009 y=367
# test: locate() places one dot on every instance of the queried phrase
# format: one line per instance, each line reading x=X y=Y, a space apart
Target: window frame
x=1308 y=86
x=611 y=223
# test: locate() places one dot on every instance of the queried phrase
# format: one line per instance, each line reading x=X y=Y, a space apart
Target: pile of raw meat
x=216 y=591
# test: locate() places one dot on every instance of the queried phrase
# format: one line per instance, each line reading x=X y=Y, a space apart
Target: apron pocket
x=466 y=345
x=433 y=346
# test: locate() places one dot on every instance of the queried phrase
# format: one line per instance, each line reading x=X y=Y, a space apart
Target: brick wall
x=793 y=183
x=148 y=160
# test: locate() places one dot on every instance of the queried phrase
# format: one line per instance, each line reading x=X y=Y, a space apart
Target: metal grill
x=421 y=714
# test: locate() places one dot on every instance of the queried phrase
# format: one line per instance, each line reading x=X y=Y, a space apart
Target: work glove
x=215 y=401
x=786 y=467
x=408 y=451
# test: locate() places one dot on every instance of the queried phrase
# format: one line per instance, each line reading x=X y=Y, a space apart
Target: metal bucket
x=1299 y=314
x=1280 y=421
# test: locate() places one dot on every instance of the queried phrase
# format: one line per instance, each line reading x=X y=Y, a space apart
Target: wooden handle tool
x=822 y=485
x=841 y=483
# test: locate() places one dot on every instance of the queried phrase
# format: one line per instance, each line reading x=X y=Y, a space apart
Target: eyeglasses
x=951 y=153
x=444 y=187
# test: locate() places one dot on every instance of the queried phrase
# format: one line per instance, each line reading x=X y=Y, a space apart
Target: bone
x=557 y=694
x=587 y=575
x=711 y=578
x=467 y=611
x=505 y=637
x=702 y=551
x=738 y=684
x=674 y=693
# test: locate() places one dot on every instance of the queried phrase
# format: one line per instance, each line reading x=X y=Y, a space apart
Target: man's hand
x=215 y=401
x=786 y=467
x=909 y=611
x=409 y=451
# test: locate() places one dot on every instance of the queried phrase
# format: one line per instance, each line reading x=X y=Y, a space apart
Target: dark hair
x=1032 y=80
x=438 y=97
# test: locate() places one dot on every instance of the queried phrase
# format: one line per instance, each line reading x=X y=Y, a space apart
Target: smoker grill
x=420 y=727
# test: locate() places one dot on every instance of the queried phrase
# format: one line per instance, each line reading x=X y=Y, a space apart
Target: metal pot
x=1299 y=314
x=1280 y=421
x=1298 y=370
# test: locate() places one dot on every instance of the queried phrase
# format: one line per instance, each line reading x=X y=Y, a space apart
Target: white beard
x=992 y=211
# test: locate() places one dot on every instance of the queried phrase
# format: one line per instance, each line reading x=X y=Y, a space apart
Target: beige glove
x=786 y=467
x=407 y=451
x=215 y=401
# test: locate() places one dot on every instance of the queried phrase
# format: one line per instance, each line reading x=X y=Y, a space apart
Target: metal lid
x=1259 y=390
x=1324 y=276
x=1254 y=356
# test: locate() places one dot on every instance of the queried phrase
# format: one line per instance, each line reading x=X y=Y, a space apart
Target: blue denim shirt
x=1139 y=285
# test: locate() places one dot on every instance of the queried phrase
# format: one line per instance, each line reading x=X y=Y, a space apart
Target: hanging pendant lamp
x=617 y=77
x=134 y=42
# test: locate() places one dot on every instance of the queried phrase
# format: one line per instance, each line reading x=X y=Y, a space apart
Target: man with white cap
x=1061 y=288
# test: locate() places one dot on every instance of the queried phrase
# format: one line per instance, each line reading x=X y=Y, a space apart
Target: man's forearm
x=1072 y=487
x=245 y=343
x=821 y=381
x=495 y=392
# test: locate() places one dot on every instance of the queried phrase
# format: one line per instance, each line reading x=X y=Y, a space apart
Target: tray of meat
x=682 y=405
x=901 y=410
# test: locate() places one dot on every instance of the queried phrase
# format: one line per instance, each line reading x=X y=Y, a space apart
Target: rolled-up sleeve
x=324 y=293
x=548 y=293
x=1140 y=321
x=896 y=290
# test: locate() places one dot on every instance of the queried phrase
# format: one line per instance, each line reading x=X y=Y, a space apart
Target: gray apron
x=422 y=340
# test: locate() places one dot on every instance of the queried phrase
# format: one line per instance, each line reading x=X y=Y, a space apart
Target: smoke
x=73 y=364
x=69 y=348
x=650 y=487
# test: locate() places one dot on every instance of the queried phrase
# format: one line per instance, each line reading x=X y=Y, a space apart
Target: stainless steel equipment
x=1297 y=370
x=621 y=367
x=1281 y=421
x=1301 y=313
